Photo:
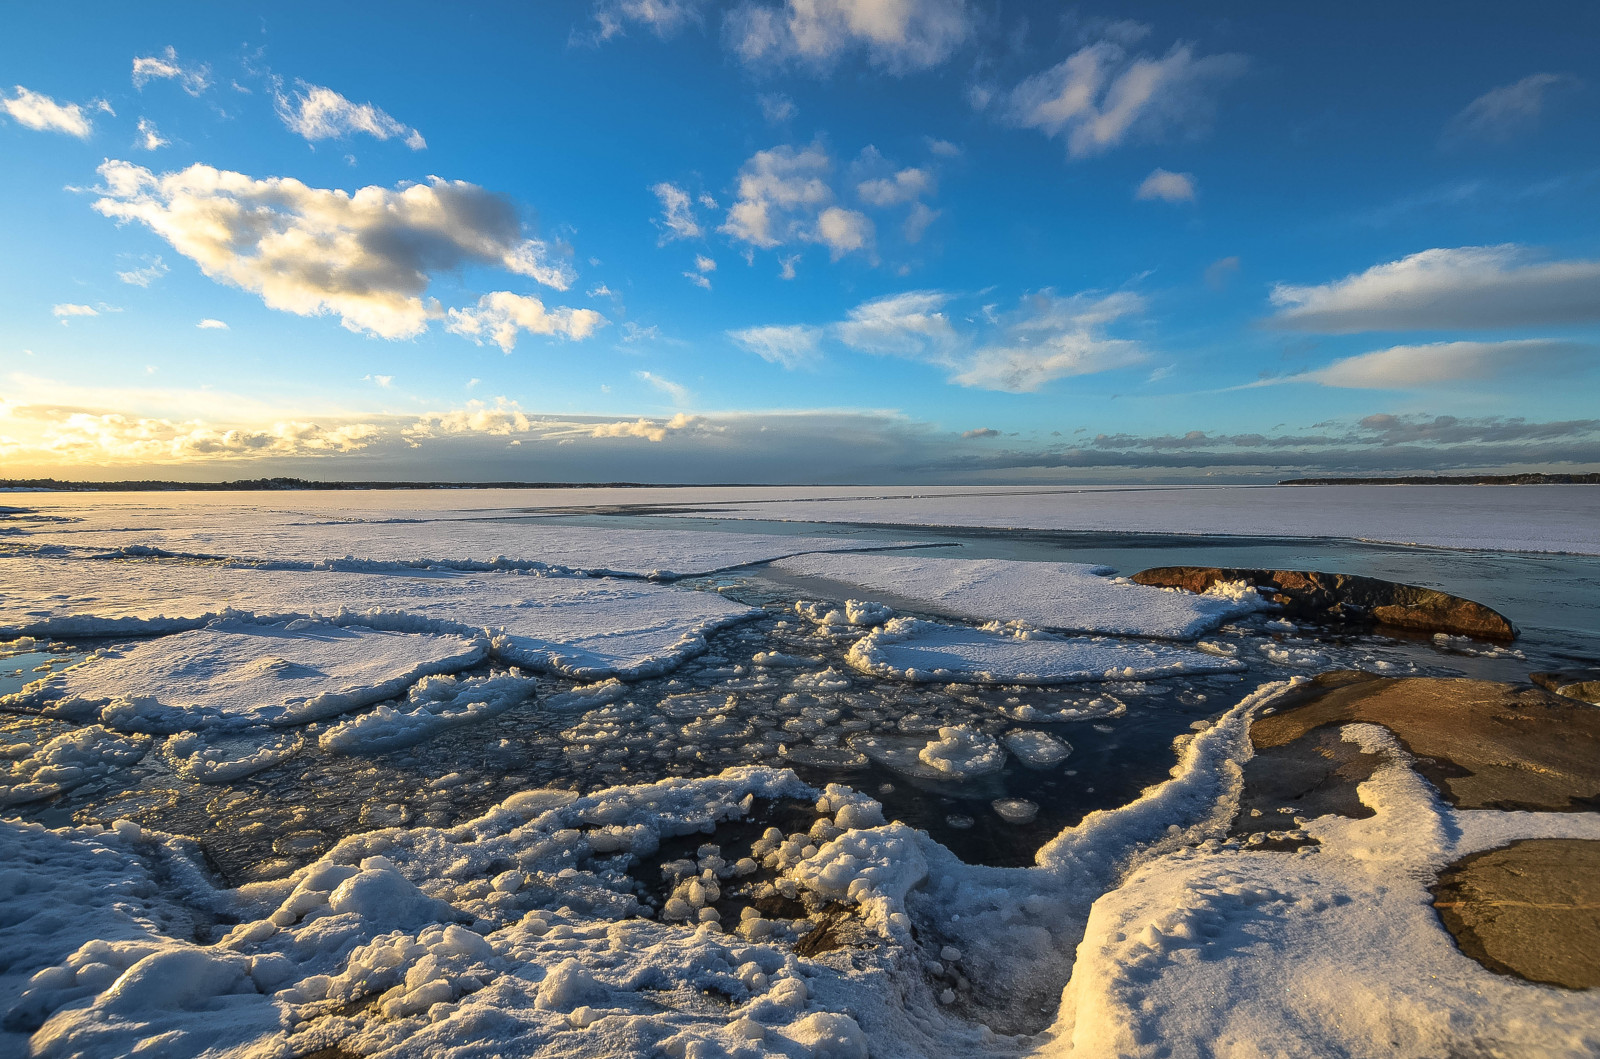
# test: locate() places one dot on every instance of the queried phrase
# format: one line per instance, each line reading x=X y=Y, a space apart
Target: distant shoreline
x=1456 y=479
x=52 y=485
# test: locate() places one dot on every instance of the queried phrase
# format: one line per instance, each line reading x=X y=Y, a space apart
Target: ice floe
x=68 y=760
x=912 y=649
x=435 y=704
x=1066 y=596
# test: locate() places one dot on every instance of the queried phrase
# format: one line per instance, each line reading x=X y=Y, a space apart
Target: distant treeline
x=261 y=484
x=1457 y=479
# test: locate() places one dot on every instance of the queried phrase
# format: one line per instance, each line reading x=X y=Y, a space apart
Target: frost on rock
x=1066 y=596
x=911 y=649
x=582 y=627
x=238 y=673
x=435 y=704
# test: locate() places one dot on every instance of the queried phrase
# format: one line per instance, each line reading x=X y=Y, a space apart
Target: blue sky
x=821 y=240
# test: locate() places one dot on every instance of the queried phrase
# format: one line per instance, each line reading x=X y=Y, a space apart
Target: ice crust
x=242 y=674
x=912 y=649
x=583 y=627
x=1074 y=597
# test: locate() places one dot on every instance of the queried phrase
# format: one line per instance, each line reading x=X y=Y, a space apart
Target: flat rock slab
x=1580 y=684
x=1530 y=909
x=1483 y=745
x=1347 y=599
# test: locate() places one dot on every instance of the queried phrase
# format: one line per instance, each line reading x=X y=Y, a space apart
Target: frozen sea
x=690 y=772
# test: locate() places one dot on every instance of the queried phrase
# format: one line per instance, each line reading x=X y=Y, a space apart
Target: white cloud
x=154 y=268
x=383 y=381
x=1469 y=286
x=1100 y=96
x=43 y=114
x=786 y=266
x=366 y=257
x=1047 y=338
x=318 y=113
x=702 y=266
x=66 y=310
x=210 y=324
x=898 y=35
x=917 y=221
x=150 y=138
x=677 y=215
x=1446 y=363
x=943 y=148
x=776 y=107
x=502 y=419
x=784 y=197
x=500 y=315
x=664 y=17
x=648 y=429
x=1502 y=113
x=679 y=394
x=165 y=67
x=1167 y=186
x=792 y=346
x=75 y=436
x=902 y=187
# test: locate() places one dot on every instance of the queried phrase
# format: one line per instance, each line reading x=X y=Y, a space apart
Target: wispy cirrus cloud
x=367 y=257
x=1167 y=186
x=1444 y=364
x=165 y=67
x=664 y=18
x=318 y=113
x=1446 y=289
x=899 y=36
x=1501 y=114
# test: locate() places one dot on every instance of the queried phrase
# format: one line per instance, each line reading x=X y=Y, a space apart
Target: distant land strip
x=1457 y=479
x=268 y=484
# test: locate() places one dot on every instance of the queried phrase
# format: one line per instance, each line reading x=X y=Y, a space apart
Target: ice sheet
x=242 y=674
x=584 y=627
x=1069 y=596
x=911 y=649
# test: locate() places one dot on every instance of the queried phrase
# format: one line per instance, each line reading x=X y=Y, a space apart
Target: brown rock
x=1530 y=909
x=1483 y=745
x=1580 y=684
x=1347 y=599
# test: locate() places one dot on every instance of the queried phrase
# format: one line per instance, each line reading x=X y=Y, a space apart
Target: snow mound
x=916 y=650
x=236 y=673
x=1067 y=596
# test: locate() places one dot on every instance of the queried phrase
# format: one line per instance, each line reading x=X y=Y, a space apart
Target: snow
x=916 y=650
x=1065 y=596
x=583 y=627
x=236 y=674
x=962 y=753
x=65 y=761
x=435 y=704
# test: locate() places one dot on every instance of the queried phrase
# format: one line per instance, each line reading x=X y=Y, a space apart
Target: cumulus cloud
x=166 y=67
x=318 y=113
x=366 y=257
x=897 y=35
x=500 y=315
x=648 y=429
x=150 y=138
x=906 y=185
x=664 y=18
x=210 y=324
x=503 y=418
x=1047 y=337
x=1502 y=113
x=67 y=435
x=1100 y=96
x=1469 y=286
x=154 y=268
x=784 y=197
x=43 y=114
x=1167 y=186
x=1439 y=364
x=792 y=346
x=677 y=219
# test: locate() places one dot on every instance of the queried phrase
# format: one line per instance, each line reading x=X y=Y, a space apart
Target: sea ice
x=1068 y=596
x=435 y=704
x=916 y=650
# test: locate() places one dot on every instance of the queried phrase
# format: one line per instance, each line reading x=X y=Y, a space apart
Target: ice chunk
x=911 y=649
x=1069 y=596
x=434 y=705
x=854 y=612
x=963 y=753
x=226 y=758
x=67 y=761
x=1037 y=750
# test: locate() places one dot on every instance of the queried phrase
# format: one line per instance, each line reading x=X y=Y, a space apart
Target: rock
x=1530 y=909
x=1580 y=684
x=1347 y=599
x=1483 y=745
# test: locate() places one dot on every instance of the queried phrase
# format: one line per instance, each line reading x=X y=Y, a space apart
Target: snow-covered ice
x=912 y=649
x=1069 y=596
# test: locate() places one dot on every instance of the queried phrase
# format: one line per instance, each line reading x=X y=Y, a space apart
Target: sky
x=829 y=241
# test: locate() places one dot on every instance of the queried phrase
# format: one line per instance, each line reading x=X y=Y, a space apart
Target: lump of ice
x=224 y=759
x=436 y=704
x=1037 y=750
x=66 y=761
x=1068 y=596
x=1015 y=810
x=242 y=673
x=962 y=753
x=854 y=612
x=911 y=649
